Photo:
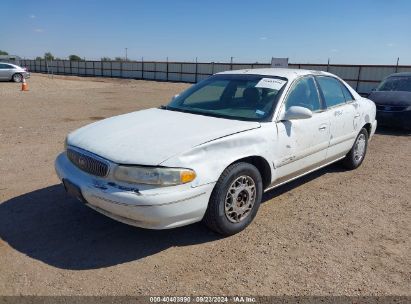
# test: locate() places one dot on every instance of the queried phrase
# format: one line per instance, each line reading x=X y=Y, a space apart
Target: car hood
x=149 y=137
x=391 y=98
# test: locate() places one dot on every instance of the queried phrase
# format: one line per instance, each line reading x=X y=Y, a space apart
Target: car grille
x=391 y=108
x=87 y=163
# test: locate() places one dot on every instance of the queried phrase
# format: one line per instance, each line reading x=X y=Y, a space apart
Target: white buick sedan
x=215 y=148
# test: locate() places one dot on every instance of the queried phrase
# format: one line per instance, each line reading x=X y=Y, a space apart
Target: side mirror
x=174 y=97
x=295 y=112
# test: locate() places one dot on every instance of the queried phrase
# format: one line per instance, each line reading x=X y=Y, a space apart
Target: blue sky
x=346 y=31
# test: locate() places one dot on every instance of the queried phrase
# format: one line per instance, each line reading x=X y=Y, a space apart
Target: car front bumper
x=155 y=208
x=400 y=119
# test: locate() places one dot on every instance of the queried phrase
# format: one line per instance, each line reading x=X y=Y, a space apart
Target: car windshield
x=396 y=83
x=243 y=97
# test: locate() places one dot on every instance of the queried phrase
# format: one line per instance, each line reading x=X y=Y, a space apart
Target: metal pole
x=196 y=75
x=142 y=67
x=396 y=68
x=328 y=65
x=358 y=78
x=167 y=70
x=231 y=63
x=181 y=72
x=126 y=54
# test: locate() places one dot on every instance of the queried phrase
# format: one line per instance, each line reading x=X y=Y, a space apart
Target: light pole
x=126 y=54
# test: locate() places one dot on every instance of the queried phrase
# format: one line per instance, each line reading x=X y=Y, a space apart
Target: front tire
x=356 y=156
x=235 y=199
x=17 y=77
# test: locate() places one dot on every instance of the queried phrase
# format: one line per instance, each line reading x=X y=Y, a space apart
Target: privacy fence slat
x=363 y=78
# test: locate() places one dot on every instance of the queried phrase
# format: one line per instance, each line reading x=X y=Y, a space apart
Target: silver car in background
x=9 y=71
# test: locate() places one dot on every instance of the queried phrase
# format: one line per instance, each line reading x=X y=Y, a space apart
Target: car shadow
x=392 y=131
x=58 y=230
x=335 y=167
x=52 y=227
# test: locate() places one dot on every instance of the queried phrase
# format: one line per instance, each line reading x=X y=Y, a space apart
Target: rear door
x=343 y=113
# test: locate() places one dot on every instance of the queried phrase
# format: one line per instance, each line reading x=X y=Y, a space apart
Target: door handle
x=323 y=127
x=357 y=115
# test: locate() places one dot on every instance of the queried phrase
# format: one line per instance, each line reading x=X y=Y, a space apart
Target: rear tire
x=17 y=77
x=356 y=156
x=235 y=199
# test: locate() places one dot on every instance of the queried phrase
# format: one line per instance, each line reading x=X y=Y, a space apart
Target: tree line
x=49 y=56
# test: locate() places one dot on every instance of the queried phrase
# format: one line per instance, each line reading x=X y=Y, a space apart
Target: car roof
x=402 y=74
x=280 y=72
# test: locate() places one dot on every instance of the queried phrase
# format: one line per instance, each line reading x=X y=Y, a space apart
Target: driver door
x=302 y=144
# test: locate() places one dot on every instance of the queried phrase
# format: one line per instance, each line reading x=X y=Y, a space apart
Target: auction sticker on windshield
x=270 y=83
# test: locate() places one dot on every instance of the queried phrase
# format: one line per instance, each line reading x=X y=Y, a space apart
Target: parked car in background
x=213 y=150
x=393 y=100
x=9 y=71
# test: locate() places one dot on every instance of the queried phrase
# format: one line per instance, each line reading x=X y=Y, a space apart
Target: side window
x=4 y=66
x=332 y=91
x=304 y=94
x=346 y=92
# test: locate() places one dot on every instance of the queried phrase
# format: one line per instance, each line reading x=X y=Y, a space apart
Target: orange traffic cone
x=24 y=85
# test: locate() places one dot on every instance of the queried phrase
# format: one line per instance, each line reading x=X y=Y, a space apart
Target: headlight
x=154 y=176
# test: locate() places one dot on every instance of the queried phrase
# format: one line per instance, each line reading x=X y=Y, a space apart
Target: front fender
x=210 y=159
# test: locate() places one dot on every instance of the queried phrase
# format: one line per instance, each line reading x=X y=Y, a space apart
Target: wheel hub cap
x=359 y=148
x=240 y=198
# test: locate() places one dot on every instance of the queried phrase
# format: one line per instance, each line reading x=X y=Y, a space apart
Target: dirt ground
x=334 y=232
